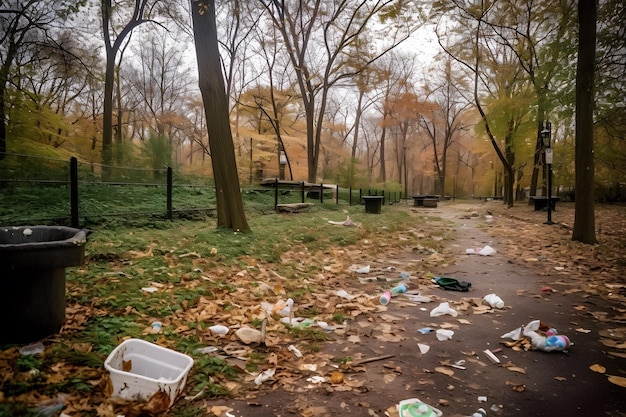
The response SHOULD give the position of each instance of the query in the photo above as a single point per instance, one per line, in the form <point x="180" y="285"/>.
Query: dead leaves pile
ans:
<point x="594" y="272"/>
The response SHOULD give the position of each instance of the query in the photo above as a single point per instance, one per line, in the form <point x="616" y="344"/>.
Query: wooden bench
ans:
<point x="493" y="197"/>
<point x="541" y="202"/>
<point x="373" y="203"/>
<point x="293" y="207"/>
<point x="425" y="200"/>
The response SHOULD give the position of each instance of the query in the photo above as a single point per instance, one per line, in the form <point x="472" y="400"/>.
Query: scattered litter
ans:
<point x="347" y="222"/>
<point x="485" y="251"/>
<point x="385" y="298"/>
<point x="324" y="326"/>
<point x="150" y="289"/>
<point x="360" y="269"/>
<point x="316" y="379"/>
<point x="492" y="357"/>
<point x="344" y="294"/>
<point x="206" y="350"/>
<point x="156" y="327"/>
<point x="281" y="307"/>
<point x="444" y="334"/>
<point x="264" y="376"/>
<point x="452" y="284"/>
<point x="423" y="348"/>
<point x="144" y="371"/>
<point x="51" y="407"/>
<point x="404" y="275"/>
<point x="547" y="289"/>
<point x="425" y="330"/>
<point x="482" y="399"/>
<point x="297" y="322"/>
<point x="219" y="329"/>
<point x="308" y="367"/>
<point x="415" y="407"/>
<point x="249" y="335"/>
<point x="460" y="364"/>
<point x="295" y="351"/>
<point x="32" y="349"/>
<point x="443" y="308"/>
<point x="398" y="289"/>
<point x="493" y="300"/>
<point x="547" y="341"/>
<point x="416" y="298"/>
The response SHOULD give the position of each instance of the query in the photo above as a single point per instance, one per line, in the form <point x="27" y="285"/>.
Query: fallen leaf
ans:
<point x="581" y="330"/>
<point x="445" y="371"/>
<point x="516" y="387"/>
<point x="617" y="380"/>
<point x="598" y="368"/>
<point x="158" y="403"/>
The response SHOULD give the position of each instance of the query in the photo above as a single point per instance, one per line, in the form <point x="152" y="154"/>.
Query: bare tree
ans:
<point x="320" y="37"/>
<point x="116" y="30"/>
<point x="24" y="24"/>
<point x="441" y="117"/>
<point x="230" y="212"/>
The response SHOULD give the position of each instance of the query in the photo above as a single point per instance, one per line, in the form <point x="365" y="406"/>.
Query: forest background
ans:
<point x="351" y="92"/>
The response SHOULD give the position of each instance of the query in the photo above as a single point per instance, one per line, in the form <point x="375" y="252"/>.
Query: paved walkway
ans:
<point x="525" y="383"/>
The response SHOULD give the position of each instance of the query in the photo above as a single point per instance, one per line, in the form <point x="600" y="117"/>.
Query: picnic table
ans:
<point x="425" y="200"/>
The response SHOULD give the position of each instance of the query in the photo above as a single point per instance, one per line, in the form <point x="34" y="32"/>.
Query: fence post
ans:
<point x="321" y="193"/>
<point x="74" y="192"/>
<point x="275" y="193"/>
<point x="169" y="193"/>
<point x="302" y="191"/>
<point x="383" y="194"/>
<point x="337" y="195"/>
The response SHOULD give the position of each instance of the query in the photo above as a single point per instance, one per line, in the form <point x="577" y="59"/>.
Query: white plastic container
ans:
<point x="139" y="369"/>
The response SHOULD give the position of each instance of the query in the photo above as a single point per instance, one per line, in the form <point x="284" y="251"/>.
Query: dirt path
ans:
<point x="456" y="375"/>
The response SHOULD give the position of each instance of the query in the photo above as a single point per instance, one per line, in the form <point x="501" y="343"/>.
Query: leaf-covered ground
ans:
<point x="190" y="278"/>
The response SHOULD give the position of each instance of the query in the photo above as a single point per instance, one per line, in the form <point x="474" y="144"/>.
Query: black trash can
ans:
<point x="32" y="279"/>
<point x="373" y="203"/>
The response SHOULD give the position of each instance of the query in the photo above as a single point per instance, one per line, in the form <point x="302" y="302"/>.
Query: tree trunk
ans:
<point x="230" y="213"/>
<point x="584" y="222"/>
<point x="107" y="115"/>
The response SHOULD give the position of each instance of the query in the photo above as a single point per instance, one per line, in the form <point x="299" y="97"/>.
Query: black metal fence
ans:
<point x="41" y="190"/>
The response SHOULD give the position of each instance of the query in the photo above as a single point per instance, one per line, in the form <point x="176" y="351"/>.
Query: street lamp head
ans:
<point x="546" y="133"/>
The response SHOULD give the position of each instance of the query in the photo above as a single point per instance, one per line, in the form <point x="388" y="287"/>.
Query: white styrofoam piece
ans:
<point x="152" y="368"/>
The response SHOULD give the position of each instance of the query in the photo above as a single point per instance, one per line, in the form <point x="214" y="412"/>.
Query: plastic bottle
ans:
<point x="480" y="413"/>
<point x="398" y="289"/>
<point x="385" y="298"/>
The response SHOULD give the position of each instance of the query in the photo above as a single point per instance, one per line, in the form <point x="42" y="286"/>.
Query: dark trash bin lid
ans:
<point x="38" y="237"/>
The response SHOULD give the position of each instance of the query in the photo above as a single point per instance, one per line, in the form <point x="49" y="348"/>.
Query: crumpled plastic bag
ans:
<point x="485" y="251"/>
<point x="442" y="309"/>
<point x="552" y="341"/>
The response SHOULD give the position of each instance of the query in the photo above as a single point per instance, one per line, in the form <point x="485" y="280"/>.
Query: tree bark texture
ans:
<point x="230" y="212"/>
<point x="584" y="221"/>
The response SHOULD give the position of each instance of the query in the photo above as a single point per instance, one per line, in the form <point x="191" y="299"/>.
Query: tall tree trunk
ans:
<point x="584" y="222"/>
<point x="230" y="213"/>
<point x="107" y="115"/>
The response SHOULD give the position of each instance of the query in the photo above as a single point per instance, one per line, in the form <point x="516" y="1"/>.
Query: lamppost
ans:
<point x="546" y="135"/>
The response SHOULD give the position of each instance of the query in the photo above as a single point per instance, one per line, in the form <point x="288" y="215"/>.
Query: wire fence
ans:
<point x="42" y="190"/>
